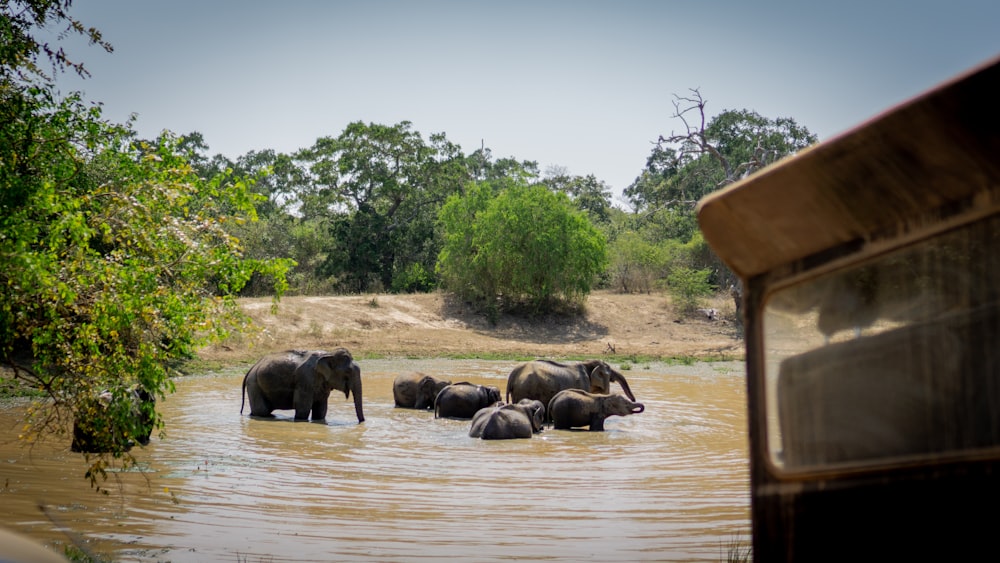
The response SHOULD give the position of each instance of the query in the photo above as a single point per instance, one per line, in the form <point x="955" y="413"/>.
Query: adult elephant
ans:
<point x="462" y="400"/>
<point x="302" y="380"/>
<point x="417" y="390"/>
<point x="505" y="421"/>
<point x="542" y="379"/>
<point x="98" y="429"/>
<point x="574" y="408"/>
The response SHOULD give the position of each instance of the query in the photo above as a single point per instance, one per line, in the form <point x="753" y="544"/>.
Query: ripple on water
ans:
<point x="667" y="484"/>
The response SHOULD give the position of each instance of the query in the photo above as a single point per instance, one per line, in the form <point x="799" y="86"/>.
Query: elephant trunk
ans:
<point x="621" y="381"/>
<point x="356" y="389"/>
<point x="638" y="408"/>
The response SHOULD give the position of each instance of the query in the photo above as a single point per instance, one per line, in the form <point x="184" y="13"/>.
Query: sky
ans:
<point x="584" y="86"/>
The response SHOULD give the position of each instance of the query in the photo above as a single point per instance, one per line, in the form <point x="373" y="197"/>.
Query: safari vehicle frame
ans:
<point x="871" y="305"/>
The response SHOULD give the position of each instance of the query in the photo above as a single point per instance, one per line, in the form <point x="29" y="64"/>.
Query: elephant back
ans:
<point x="464" y="399"/>
<point x="570" y="407"/>
<point x="501" y="422"/>
<point x="541" y="379"/>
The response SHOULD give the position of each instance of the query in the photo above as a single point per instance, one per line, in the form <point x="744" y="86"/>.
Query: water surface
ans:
<point x="669" y="484"/>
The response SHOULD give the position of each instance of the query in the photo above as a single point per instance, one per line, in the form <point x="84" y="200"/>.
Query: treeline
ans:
<point x="376" y="209"/>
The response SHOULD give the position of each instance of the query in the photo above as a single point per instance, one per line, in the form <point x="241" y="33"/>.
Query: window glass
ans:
<point x="891" y="358"/>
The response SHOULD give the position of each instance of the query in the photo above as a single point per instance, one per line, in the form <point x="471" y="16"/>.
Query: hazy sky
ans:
<point x="584" y="85"/>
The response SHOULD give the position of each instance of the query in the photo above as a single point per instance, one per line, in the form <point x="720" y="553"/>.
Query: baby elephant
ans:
<point x="505" y="421"/>
<point x="462" y="400"/>
<point x="572" y="408"/>
<point x="416" y="390"/>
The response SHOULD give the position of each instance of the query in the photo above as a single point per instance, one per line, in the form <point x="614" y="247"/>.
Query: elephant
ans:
<point x="462" y="400"/>
<point x="572" y="408"/>
<point x="416" y="390"/>
<point x="302" y="380"/>
<point x="506" y="421"/>
<point x="97" y="430"/>
<point x="542" y="379"/>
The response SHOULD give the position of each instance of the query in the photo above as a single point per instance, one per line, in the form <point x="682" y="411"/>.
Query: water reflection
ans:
<point x="668" y="484"/>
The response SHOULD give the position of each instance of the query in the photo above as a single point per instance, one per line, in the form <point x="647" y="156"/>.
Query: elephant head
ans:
<point x="535" y="411"/>
<point x="621" y="406"/>
<point x="416" y="390"/>
<point x="602" y="375"/>
<point x="337" y="370"/>
<point x="427" y="390"/>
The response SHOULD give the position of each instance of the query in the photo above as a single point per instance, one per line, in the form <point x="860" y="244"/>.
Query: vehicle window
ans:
<point x="895" y="357"/>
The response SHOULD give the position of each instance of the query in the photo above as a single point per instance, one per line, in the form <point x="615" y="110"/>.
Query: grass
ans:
<point x="738" y="550"/>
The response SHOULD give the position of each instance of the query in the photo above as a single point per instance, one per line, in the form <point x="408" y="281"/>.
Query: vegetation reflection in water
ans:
<point x="668" y="484"/>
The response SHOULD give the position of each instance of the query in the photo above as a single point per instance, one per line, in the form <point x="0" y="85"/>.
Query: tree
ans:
<point x="282" y="230"/>
<point x="21" y="52"/>
<point x="115" y="262"/>
<point x="524" y="247"/>
<point x="709" y="154"/>
<point x="587" y="192"/>
<point x="687" y="287"/>
<point x="379" y="188"/>
<point x="706" y="156"/>
<point x="484" y="168"/>
<point x="636" y="263"/>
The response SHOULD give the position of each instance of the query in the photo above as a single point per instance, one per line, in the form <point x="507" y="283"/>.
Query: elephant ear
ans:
<point x="600" y="377"/>
<point x="314" y="361"/>
<point x="335" y="366"/>
<point x="538" y="416"/>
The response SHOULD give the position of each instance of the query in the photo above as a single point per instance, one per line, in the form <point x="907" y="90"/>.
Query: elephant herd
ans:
<point x="569" y="395"/>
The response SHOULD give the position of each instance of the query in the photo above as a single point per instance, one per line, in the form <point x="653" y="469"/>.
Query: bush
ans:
<point x="414" y="279"/>
<point x="636" y="263"/>
<point x="526" y="247"/>
<point x="687" y="287"/>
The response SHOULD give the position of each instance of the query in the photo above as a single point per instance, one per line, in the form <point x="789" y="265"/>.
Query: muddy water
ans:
<point x="669" y="484"/>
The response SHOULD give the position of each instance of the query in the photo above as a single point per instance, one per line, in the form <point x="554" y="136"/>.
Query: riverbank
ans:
<point x="622" y="327"/>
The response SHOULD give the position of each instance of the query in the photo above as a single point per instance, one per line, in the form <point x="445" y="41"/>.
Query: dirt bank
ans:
<point x="428" y="325"/>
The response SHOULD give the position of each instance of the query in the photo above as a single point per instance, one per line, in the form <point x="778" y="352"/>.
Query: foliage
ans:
<point x="705" y="156"/>
<point x="709" y="154"/>
<point x="114" y="262"/>
<point x="590" y="195"/>
<point x="636" y="263"/>
<point x="687" y="287"/>
<point x="380" y="189"/>
<point x="413" y="279"/>
<point x="21" y="52"/>
<point x="357" y="212"/>
<point x="523" y="247"/>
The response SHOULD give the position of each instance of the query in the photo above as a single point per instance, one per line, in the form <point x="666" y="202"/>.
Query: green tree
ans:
<point x="587" y="192"/>
<point x="635" y="263"/>
<point x="524" y="247"/>
<point x="379" y="188"/>
<point x="115" y="262"/>
<point x="22" y="53"/>
<point x="709" y="154"/>
<point x="687" y="287"/>
<point x="483" y="167"/>
<point x="705" y="156"/>
<point x="283" y="230"/>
